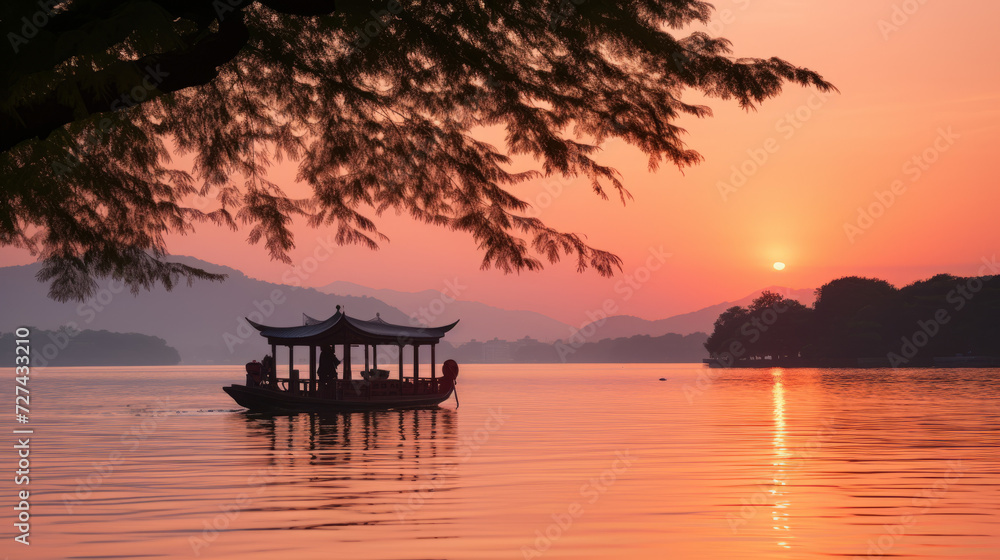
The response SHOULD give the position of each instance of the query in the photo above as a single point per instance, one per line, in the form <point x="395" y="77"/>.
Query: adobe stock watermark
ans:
<point x="920" y="504"/>
<point x="469" y="446"/>
<point x="764" y="496"/>
<point x="726" y="16"/>
<point x="425" y="315"/>
<point x="901" y="14"/>
<point x="33" y="23"/>
<point x="294" y="276"/>
<point x="591" y="491"/>
<point x="228" y="513"/>
<point x="428" y="314"/>
<point x="750" y="332"/>
<point x="914" y="169"/>
<point x="61" y="338"/>
<point x="563" y="11"/>
<point x="78" y="150"/>
<point x="927" y="329"/>
<point x="626" y="288"/>
<point x="757" y="157"/>
<point x="552" y="189"/>
<point x="722" y="18"/>
<point x="132" y="439"/>
<point x="364" y="35"/>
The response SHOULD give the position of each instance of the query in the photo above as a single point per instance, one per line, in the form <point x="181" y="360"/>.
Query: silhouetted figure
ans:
<point x="253" y="374"/>
<point x="266" y="369"/>
<point x="449" y="371"/>
<point x="327" y="370"/>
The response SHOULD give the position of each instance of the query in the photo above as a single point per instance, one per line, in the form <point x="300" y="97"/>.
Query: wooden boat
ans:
<point x="322" y="390"/>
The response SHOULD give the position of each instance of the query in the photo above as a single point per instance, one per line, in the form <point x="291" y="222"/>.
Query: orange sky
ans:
<point x="933" y="81"/>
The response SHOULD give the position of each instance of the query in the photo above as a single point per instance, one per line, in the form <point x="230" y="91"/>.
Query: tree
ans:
<point x="772" y="326"/>
<point x="845" y="297"/>
<point x="726" y="333"/>
<point x="790" y="332"/>
<point x="958" y="314"/>
<point x="376" y="102"/>
<point x="866" y="318"/>
<point x="857" y="317"/>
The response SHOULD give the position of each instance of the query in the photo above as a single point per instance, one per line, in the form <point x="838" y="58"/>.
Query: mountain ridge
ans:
<point x="700" y="320"/>
<point x="477" y="320"/>
<point x="205" y="322"/>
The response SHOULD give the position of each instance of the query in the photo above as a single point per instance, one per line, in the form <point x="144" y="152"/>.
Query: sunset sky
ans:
<point x="922" y="85"/>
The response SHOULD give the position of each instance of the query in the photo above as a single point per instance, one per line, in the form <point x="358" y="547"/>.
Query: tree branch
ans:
<point x="110" y="89"/>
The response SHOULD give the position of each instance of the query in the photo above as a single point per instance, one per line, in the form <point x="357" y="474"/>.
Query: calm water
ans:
<point x="553" y="461"/>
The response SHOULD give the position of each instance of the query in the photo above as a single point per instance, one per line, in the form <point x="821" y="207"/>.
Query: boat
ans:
<point x="321" y="389"/>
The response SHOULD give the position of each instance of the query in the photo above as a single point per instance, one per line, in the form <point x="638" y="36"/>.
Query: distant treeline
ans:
<point x="68" y="347"/>
<point x="865" y="319"/>
<point x="634" y="349"/>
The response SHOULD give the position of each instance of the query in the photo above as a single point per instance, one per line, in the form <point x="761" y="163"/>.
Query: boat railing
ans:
<point x="361" y="388"/>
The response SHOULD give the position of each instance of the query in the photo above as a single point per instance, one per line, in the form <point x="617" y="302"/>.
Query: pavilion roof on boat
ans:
<point x="342" y="328"/>
<point x="345" y="331"/>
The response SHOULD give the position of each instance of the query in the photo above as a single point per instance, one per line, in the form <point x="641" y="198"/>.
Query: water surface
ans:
<point x="539" y="461"/>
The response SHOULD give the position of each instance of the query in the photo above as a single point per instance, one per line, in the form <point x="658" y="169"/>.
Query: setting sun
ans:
<point x="779" y="266"/>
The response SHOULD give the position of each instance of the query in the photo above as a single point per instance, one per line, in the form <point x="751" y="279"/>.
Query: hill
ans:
<point x="204" y="322"/>
<point x="91" y="348"/>
<point x="701" y="320"/>
<point x="669" y="348"/>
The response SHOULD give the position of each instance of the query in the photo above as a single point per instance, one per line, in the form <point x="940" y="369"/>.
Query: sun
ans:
<point x="779" y="266"/>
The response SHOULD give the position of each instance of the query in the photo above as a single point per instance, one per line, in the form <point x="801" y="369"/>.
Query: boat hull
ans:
<point x="258" y="399"/>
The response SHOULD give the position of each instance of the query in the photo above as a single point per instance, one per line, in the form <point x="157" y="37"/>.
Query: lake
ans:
<point x="538" y="461"/>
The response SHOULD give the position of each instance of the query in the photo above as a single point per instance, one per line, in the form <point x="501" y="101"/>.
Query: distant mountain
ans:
<point x="484" y="322"/>
<point x="204" y="322"/>
<point x="669" y="348"/>
<point x="702" y="320"/>
<point x="68" y="347"/>
<point x="479" y="321"/>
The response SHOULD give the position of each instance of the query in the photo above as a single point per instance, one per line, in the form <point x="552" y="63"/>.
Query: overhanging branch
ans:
<point x="112" y="88"/>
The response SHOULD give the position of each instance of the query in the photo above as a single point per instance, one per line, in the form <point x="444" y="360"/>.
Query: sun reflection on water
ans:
<point x="779" y="515"/>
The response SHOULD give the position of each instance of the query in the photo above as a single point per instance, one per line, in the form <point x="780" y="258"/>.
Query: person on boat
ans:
<point x="253" y="374"/>
<point x="328" y="362"/>
<point x="266" y="368"/>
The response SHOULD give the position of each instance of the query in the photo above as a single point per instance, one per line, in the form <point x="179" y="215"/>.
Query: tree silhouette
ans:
<point x="857" y="317"/>
<point x="789" y="335"/>
<point x="377" y="103"/>
<point x="772" y="326"/>
<point x="727" y="332"/>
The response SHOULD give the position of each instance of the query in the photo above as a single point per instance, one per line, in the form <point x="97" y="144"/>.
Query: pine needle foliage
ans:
<point x="376" y="103"/>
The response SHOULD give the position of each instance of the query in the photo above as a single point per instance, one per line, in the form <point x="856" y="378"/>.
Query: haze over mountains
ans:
<point x="481" y="321"/>
<point x="204" y="322"/>
<point x="701" y="320"/>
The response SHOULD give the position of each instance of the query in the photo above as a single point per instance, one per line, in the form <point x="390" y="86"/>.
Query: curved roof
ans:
<point x="341" y="328"/>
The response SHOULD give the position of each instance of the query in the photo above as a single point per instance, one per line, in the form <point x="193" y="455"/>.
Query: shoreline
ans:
<point x="859" y="363"/>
